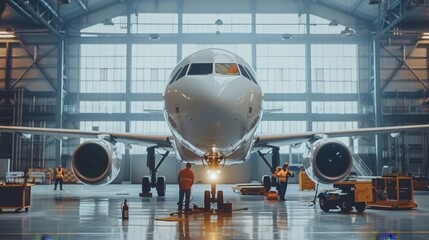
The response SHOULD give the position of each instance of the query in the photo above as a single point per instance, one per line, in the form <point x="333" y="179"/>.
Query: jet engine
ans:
<point x="327" y="161"/>
<point x="96" y="162"/>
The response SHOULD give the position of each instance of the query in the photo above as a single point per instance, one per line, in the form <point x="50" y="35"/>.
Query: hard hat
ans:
<point x="286" y="164"/>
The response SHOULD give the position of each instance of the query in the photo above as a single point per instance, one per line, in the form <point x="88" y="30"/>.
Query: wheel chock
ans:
<point x="149" y="194"/>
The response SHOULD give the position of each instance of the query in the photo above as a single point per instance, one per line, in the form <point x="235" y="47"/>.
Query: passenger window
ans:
<point x="200" y="69"/>
<point x="244" y="72"/>
<point x="175" y="75"/>
<point x="227" y="69"/>
<point x="183" y="72"/>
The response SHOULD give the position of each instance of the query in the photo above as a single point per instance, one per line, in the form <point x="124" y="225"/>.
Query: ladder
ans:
<point x="360" y="167"/>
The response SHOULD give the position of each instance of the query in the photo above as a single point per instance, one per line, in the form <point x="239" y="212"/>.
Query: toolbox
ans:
<point x="15" y="196"/>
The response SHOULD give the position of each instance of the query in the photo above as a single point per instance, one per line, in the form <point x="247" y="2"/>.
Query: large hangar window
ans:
<point x="320" y="25"/>
<point x="284" y="107"/>
<point x="281" y="67"/>
<point x="334" y="125"/>
<point x="224" y="23"/>
<point x="330" y="107"/>
<point x="334" y="68"/>
<point x="280" y="23"/>
<point x="109" y="25"/>
<point x="151" y="66"/>
<point x="147" y="106"/>
<point x="154" y="23"/>
<point x="269" y="127"/>
<point x="102" y="68"/>
<point x="102" y="107"/>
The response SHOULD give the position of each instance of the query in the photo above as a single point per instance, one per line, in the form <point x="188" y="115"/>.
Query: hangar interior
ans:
<point x="322" y="65"/>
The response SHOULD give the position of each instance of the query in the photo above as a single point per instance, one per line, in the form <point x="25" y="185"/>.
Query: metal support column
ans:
<point x="376" y="101"/>
<point x="59" y="95"/>
<point x="308" y="77"/>
<point x="180" y="31"/>
<point x="254" y="37"/>
<point x="127" y="162"/>
<point x="8" y="66"/>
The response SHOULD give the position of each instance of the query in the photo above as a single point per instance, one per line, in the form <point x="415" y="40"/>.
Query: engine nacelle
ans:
<point x="327" y="161"/>
<point x="96" y="162"/>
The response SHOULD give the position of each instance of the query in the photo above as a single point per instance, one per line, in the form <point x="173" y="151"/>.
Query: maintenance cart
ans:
<point x="393" y="191"/>
<point x="15" y="196"/>
<point x="348" y="194"/>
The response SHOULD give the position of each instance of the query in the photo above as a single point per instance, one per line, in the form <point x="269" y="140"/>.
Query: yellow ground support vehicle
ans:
<point x="394" y="191"/>
<point x="305" y="183"/>
<point x="348" y="194"/>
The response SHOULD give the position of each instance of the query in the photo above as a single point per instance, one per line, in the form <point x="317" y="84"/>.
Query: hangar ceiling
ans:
<point x="47" y="14"/>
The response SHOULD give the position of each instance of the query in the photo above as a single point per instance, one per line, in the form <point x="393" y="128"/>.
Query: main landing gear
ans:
<point x="213" y="160"/>
<point x="153" y="181"/>
<point x="268" y="181"/>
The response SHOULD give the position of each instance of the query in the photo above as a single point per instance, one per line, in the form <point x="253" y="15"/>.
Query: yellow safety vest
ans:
<point x="283" y="174"/>
<point x="276" y="172"/>
<point x="60" y="173"/>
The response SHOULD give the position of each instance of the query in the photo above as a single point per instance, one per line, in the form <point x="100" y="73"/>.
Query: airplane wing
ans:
<point x="286" y="139"/>
<point x="127" y="138"/>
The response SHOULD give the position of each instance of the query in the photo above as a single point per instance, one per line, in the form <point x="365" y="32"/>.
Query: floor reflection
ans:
<point x="183" y="229"/>
<point x="84" y="212"/>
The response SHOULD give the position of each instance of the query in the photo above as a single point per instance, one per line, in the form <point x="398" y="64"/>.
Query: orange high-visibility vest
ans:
<point x="60" y="173"/>
<point x="186" y="178"/>
<point x="283" y="175"/>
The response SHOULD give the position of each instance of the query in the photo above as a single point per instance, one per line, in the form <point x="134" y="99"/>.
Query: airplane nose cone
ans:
<point x="217" y="110"/>
<point x="213" y="89"/>
<point x="213" y="110"/>
<point x="216" y="103"/>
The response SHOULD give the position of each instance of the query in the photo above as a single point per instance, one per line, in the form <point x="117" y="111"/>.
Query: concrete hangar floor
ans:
<point x="88" y="212"/>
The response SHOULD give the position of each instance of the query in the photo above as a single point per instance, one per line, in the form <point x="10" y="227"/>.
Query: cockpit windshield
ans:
<point x="226" y="69"/>
<point x="200" y="69"/>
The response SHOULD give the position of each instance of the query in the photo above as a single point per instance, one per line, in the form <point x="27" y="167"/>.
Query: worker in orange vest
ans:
<point x="59" y="177"/>
<point x="283" y="176"/>
<point x="185" y="179"/>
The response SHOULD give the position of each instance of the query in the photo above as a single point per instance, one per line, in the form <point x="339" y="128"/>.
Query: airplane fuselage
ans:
<point x="213" y="103"/>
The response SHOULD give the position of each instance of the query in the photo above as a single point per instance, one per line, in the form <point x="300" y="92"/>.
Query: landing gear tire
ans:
<point x="323" y="203"/>
<point x="219" y="200"/>
<point x="360" y="207"/>
<point x="160" y="186"/>
<point x="207" y="201"/>
<point x="266" y="180"/>
<point x="345" y="206"/>
<point x="145" y="184"/>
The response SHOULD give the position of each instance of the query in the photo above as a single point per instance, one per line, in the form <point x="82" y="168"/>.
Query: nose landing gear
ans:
<point x="213" y="160"/>
<point x="210" y="197"/>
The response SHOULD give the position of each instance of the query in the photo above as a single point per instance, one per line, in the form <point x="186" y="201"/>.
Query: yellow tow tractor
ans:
<point x="348" y="194"/>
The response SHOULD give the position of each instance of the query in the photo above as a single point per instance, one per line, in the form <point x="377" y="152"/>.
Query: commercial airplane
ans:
<point x="213" y="105"/>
